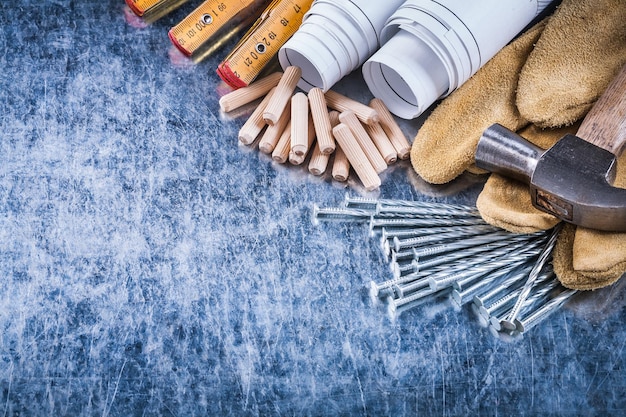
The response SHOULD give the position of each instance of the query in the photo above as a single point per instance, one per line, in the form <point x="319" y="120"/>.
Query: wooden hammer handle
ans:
<point x="605" y="124"/>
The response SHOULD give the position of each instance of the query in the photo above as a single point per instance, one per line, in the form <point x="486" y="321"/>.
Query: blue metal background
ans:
<point x="151" y="265"/>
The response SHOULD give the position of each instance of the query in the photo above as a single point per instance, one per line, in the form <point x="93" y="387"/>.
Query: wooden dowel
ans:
<point x="245" y="95"/>
<point x="299" y="124"/>
<point x="342" y="103"/>
<point x="323" y="129"/>
<point x="295" y="159"/>
<point x="341" y="165"/>
<point x="309" y="144"/>
<point x="333" y="118"/>
<point x="358" y="160"/>
<point x="318" y="162"/>
<point x="255" y="123"/>
<point x="382" y="142"/>
<point x="272" y="133"/>
<point x="281" y="151"/>
<point x="366" y="143"/>
<point x="391" y="128"/>
<point x="282" y="95"/>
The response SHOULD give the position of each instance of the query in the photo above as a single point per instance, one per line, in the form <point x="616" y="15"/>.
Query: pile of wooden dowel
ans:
<point x="290" y="125"/>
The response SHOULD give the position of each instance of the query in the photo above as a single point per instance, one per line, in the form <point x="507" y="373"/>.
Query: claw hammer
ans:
<point x="573" y="179"/>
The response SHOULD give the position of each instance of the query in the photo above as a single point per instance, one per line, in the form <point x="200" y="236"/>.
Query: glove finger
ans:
<point x="581" y="49"/>
<point x="564" y="255"/>
<point x="599" y="253"/>
<point x="506" y="203"/>
<point x="445" y="144"/>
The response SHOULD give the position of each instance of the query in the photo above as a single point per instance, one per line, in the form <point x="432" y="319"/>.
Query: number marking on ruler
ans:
<point x="277" y="24"/>
<point x="206" y="20"/>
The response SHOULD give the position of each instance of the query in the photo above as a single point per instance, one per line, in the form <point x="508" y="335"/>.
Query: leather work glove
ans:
<point x="551" y="76"/>
<point x="445" y="144"/>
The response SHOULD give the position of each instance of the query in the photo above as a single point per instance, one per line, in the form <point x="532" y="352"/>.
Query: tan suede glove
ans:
<point x="445" y="144"/>
<point x="551" y="84"/>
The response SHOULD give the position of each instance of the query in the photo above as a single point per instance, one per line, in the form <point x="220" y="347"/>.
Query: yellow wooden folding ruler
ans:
<point x="278" y="22"/>
<point x="153" y="9"/>
<point x="213" y="19"/>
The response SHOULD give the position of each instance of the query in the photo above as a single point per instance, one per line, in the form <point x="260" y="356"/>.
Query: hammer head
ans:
<point x="571" y="180"/>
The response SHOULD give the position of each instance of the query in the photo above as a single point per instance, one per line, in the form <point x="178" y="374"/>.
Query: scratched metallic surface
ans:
<point x="150" y="265"/>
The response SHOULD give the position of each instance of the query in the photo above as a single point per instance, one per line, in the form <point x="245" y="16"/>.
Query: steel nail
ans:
<point x="404" y="255"/>
<point x="504" y="292"/>
<point x="376" y="223"/>
<point x="360" y="202"/>
<point x="522" y="247"/>
<point x="545" y="283"/>
<point x="473" y="242"/>
<point x="537" y="298"/>
<point x="339" y="213"/>
<point x="397" y="306"/>
<point x="481" y="319"/>
<point x="409" y="288"/>
<point x="445" y="235"/>
<point x="487" y="298"/>
<point x="479" y="251"/>
<point x="383" y="289"/>
<point x="407" y="284"/>
<point x="377" y="291"/>
<point x="448" y="280"/>
<point x="541" y="290"/>
<point x="392" y="240"/>
<point x="466" y="289"/>
<point x="467" y="283"/>
<point x="386" y="210"/>
<point x="388" y="234"/>
<point x="398" y="284"/>
<point x="399" y="270"/>
<point x="410" y="232"/>
<point x="541" y="313"/>
<point x="487" y="310"/>
<point x="402" y="280"/>
<point x="478" y="266"/>
<point x="428" y="204"/>
<point x="534" y="273"/>
<point x="501" y="305"/>
<point x="438" y="248"/>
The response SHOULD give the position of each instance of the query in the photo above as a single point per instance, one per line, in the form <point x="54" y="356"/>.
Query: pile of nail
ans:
<point x="439" y="251"/>
<point x="291" y="126"/>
